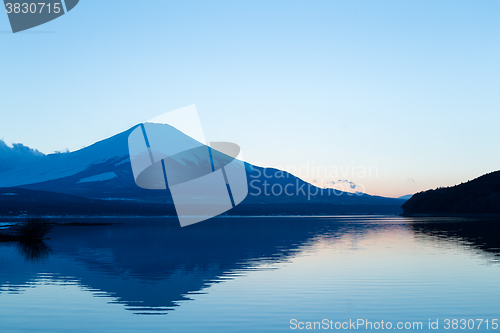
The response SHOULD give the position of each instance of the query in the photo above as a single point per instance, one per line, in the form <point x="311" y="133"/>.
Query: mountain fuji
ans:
<point x="103" y="172"/>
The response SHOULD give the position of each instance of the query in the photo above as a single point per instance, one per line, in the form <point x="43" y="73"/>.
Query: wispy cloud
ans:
<point x="351" y="184"/>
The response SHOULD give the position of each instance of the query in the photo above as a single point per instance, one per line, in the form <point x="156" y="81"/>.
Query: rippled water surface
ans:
<point x="250" y="274"/>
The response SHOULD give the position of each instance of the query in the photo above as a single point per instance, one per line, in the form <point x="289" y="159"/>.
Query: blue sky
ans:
<point x="408" y="87"/>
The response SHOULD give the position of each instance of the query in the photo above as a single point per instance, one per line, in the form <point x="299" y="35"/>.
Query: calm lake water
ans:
<point x="252" y="275"/>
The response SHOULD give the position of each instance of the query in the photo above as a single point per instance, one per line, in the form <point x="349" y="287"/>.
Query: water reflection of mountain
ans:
<point x="153" y="264"/>
<point x="481" y="234"/>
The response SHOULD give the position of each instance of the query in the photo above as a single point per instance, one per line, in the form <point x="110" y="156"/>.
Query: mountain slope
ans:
<point x="61" y="165"/>
<point x="18" y="202"/>
<point x="478" y="196"/>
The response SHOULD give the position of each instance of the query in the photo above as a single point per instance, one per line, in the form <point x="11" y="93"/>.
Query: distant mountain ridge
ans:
<point x="102" y="171"/>
<point x="478" y="196"/>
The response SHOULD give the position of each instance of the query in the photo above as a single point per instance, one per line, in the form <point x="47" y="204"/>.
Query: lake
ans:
<point x="269" y="274"/>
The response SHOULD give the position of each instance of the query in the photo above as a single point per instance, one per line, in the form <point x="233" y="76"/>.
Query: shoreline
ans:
<point x="471" y="215"/>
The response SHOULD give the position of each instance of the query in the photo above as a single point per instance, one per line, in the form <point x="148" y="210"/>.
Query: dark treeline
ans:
<point x="478" y="196"/>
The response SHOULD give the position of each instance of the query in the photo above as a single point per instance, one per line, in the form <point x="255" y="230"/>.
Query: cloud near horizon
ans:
<point x="16" y="155"/>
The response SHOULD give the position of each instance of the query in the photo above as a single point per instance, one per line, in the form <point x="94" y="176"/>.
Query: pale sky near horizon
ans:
<point x="406" y="90"/>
